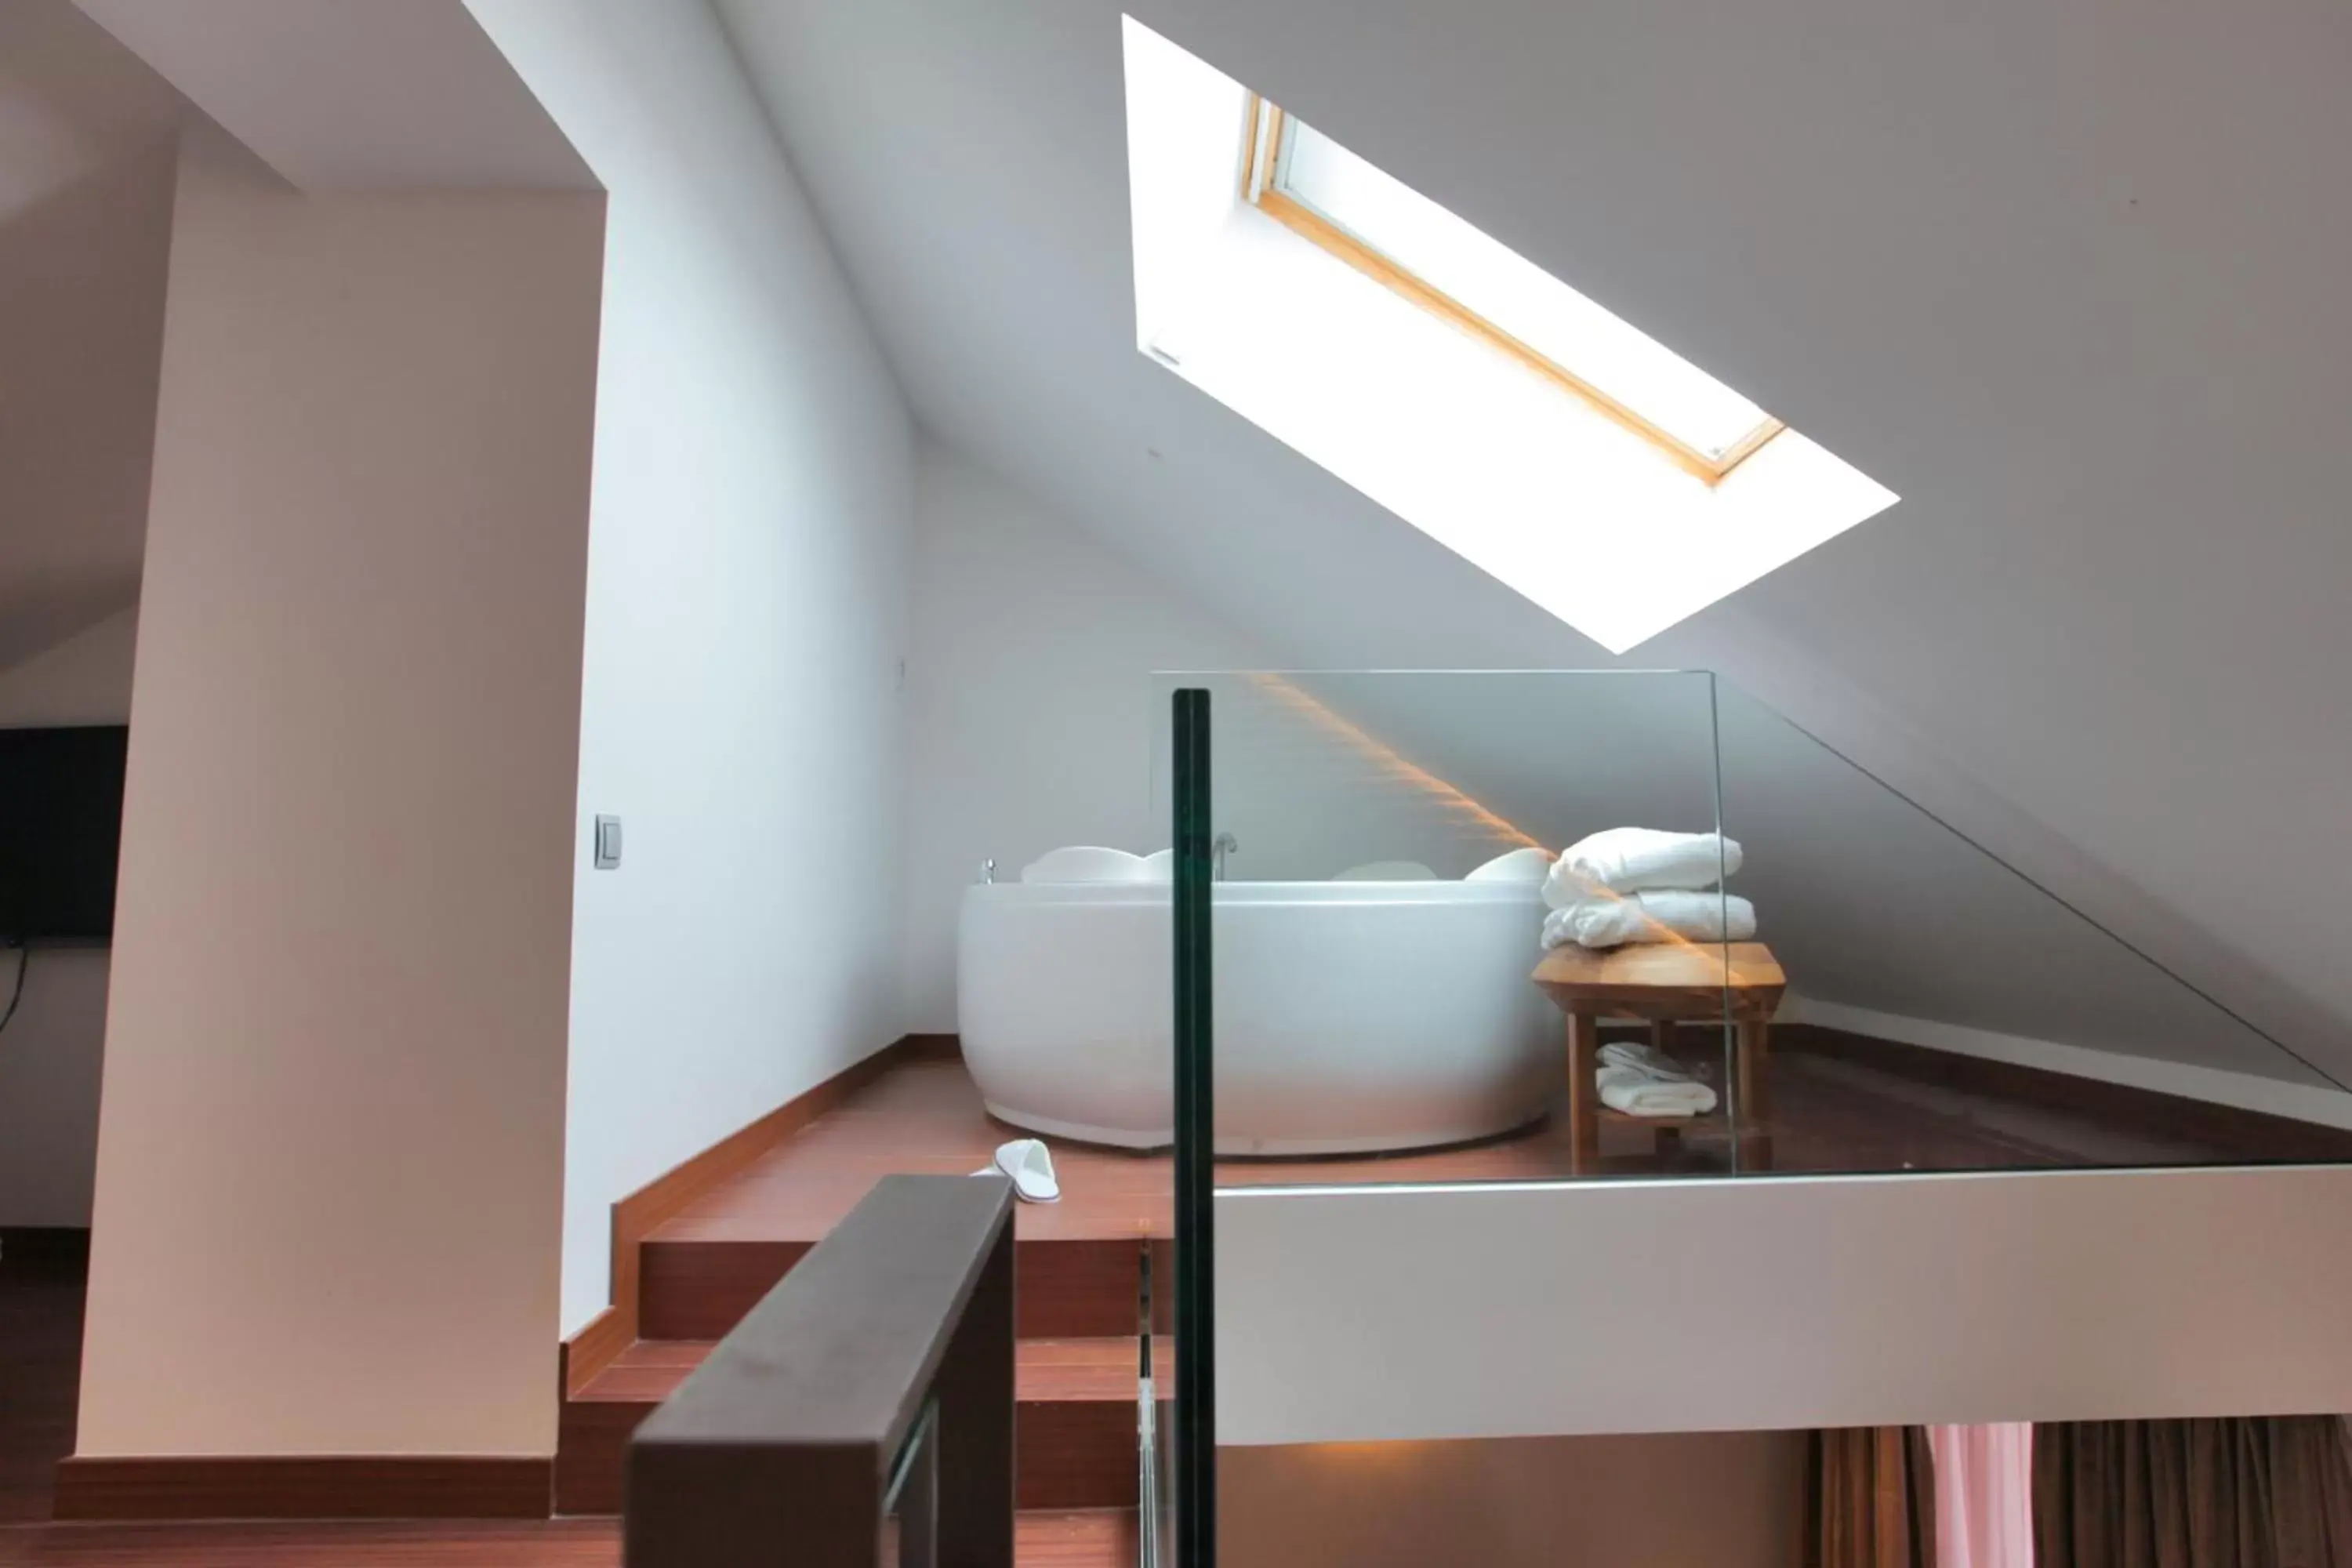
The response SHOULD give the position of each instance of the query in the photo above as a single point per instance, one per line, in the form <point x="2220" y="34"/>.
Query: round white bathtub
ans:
<point x="1350" y="1016"/>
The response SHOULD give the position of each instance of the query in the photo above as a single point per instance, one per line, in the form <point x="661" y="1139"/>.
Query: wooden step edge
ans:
<point x="1098" y="1370"/>
<point x="1074" y="1414"/>
<point x="705" y="1230"/>
<point x="1045" y="1371"/>
<point x="701" y="1289"/>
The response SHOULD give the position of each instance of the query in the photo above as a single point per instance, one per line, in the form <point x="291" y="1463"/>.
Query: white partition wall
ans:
<point x="331" y="1148"/>
<point x="1370" y="1313"/>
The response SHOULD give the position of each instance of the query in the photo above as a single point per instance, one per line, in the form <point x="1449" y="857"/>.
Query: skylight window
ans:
<point x="1504" y="414"/>
<point x="1403" y="240"/>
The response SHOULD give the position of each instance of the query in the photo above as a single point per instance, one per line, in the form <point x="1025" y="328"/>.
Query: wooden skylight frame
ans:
<point x="1265" y="146"/>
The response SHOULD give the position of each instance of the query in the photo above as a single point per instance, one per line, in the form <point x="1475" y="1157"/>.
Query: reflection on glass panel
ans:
<point x="2004" y="1495"/>
<point x="1471" y="929"/>
<point x="911" y="1502"/>
<point x="1829" y="980"/>
<point x="1155" y="1393"/>
<point x="1430" y="967"/>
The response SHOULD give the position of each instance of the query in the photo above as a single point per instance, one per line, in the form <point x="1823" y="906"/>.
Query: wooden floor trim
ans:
<point x="2251" y="1135"/>
<point x="929" y="1047"/>
<point x="591" y="1350"/>
<point x="323" y="1486"/>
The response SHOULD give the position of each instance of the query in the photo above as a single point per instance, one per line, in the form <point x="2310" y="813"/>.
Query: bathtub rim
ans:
<point x="1151" y="902"/>
<point x="1236" y="1149"/>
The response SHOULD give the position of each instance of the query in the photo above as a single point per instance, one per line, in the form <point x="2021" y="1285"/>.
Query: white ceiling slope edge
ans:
<point x="327" y="92"/>
<point x="71" y="102"/>
<point x="2072" y="287"/>
<point x="84" y="224"/>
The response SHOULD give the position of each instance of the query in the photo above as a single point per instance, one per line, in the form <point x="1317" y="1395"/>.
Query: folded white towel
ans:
<point x="1645" y="1059"/>
<point x="1634" y="1091"/>
<point x="1611" y="919"/>
<point x="1636" y="859"/>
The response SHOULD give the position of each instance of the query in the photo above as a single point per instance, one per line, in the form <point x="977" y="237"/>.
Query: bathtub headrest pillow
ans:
<point x="1387" y="871"/>
<point x="1086" y="863"/>
<point x="1524" y="865"/>
<point x="1160" y="867"/>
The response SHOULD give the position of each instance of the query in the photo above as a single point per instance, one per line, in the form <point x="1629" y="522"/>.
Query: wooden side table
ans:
<point x="1666" y="984"/>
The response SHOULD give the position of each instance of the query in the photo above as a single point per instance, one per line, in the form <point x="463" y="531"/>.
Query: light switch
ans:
<point x="608" y="843"/>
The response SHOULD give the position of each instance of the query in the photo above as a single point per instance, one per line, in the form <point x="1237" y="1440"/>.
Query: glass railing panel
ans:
<point x="1861" y="988"/>
<point x="1948" y="1010"/>
<point x="1155" y="1409"/>
<point x="1858" y="989"/>
<point x="1407" y="977"/>
<point x="909" y="1537"/>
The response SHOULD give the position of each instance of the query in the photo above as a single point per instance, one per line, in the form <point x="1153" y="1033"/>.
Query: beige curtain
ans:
<point x="2257" y="1493"/>
<point x="1870" y="1498"/>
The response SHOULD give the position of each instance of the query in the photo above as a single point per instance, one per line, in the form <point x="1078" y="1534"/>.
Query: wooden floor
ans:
<point x="40" y="1370"/>
<point x="40" y="1363"/>
<point x="1096" y="1540"/>
<point x="1838" y="1108"/>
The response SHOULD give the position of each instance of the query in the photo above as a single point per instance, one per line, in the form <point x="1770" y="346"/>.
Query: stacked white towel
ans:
<point x="1639" y="861"/>
<point x="1667" y="914"/>
<point x="1638" y="1080"/>
<point x="1639" y="884"/>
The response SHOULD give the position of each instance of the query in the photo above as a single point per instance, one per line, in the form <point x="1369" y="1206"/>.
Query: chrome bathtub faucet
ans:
<point x="1225" y="844"/>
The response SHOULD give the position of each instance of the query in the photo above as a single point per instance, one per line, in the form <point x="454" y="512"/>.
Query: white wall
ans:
<point x="51" y="1053"/>
<point x="332" y="1120"/>
<point x="85" y="680"/>
<point x="1037" y="711"/>
<point x="1867" y="899"/>
<point x="1036" y="722"/>
<point x="747" y="613"/>
<point x="1031" y="706"/>
<point x="1665" y="1306"/>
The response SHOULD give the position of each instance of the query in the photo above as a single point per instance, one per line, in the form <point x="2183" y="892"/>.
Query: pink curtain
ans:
<point x="1984" y="1495"/>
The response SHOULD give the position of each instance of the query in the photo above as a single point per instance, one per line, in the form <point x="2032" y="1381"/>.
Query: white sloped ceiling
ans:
<point x="2066" y="277"/>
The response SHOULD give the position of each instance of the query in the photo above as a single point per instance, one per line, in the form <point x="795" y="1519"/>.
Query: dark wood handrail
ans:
<point x="781" y="1448"/>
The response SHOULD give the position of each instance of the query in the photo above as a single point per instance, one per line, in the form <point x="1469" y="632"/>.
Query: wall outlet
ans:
<point x="608" y="843"/>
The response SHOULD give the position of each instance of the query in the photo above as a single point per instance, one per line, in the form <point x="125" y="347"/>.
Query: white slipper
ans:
<point x="1030" y="1166"/>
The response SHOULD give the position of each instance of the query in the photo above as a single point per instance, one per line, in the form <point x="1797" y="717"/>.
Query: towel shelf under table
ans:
<point x="1666" y="984"/>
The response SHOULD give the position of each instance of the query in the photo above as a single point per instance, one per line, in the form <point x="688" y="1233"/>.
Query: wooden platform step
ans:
<point x="1080" y="1538"/>
<point x="1074" y="1422"/>
<point x="696" y="1279"/>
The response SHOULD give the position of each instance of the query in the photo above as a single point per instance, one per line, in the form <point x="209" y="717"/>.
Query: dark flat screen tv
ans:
<point x="60" y="831"/>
